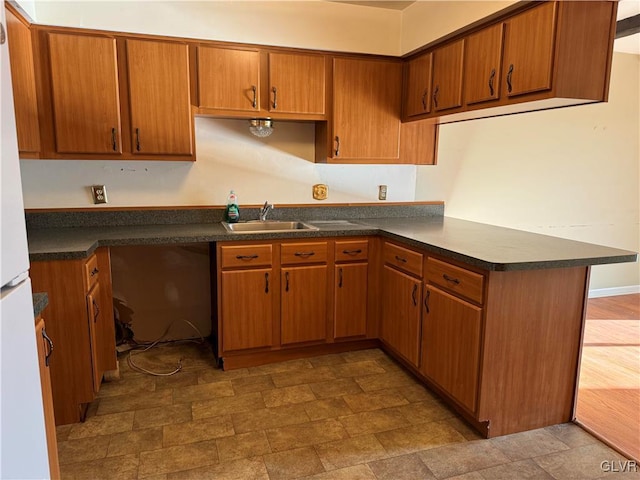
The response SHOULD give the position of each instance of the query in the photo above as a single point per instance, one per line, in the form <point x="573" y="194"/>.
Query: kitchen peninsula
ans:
<point x="491" y="318"/>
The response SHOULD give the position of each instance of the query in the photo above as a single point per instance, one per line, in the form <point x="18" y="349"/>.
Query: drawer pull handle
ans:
<point x="286" y="279"/>
<point x="424" y="100"/>
<point x="337" y="146"/>
<point x="352" y="252"/>
<point x="266" y="283"/>
<point x="96" y="311"/>
<point x="413" y="295"/>
<point x="275" y="97"/>
<point x="254" y="89"/>
<point x="400" y="259"/>
<point x="48" y="356"/>
<point x="491" y="77"/>
<point x="455" y="281"/>
<point x="304" y="254"/>
<point x="435" y="96"/>
<point x="509" y="75"/>
<point x="94" y="272"/>
<point x="138" y="148"/>
<point x="426" y="300"/>
<point x="340" y="278"/>
<point x="113" y="139"/>
<point x="246" y="257"/>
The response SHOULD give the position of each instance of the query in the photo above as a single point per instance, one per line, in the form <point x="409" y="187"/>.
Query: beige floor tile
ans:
<point x="216" y="375"/>
<point x="178" y="458"/>
<point x="350" y="451"/>
<point x="288" y="396"/>
<point x="425" y="412"/>
<point x="243" y="445"/>
<point x="243" y="469"/>
<point x="371" y="422"/>
<point x="364" y="355"/>
<point x="161" y="476"/>
<point x="83" y="449"/>
<point x="522" y="470"/>
<point x="466" y="430"/>
<point x="325" y="360"/>
<point x="383" y="381"/>
<point x="224" y="405"/>
<point x="126" y="403"/>
<point x="357" y="369"/>
<point x="135" y="442"/>
<point x="102" y="425"/>
<point x="418" y="437"/>
<point x="417" y="393"/>
<point x="290" y="366"/>
<point x="180" y="379"/>
<point x="158" y="416"/>
<point x="207" y="391"/>
<point x="266" y="418"/>
<point x="534" y="443"/>
<point x="469" y="476"/>
<point x="117" y="468"/>
<point x="294" y="436"/>
<point x="369" y="401"/>
<point x="138" y="384"/>
<point x="335" y="388"/>
<point x="357" y="472"/>
<point x="327" y="408"/>
<point x="404" y="467"/>
<point x="571" y="435"/>
<point x="581" y="463"/>
<point x="299" y="377"/>
<point x="192" y="432"/>
<point x="256" y="383"/>
<point x="63" y="431"/>
<point x="461" y="458"/>
<point x="294" y="463"/>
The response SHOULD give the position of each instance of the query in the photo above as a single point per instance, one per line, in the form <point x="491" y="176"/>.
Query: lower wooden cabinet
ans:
<point x="351" y="293"/>
<point x="304" y="304"/>
<point x="45" y="350"/>
<point x="451" y="345"/>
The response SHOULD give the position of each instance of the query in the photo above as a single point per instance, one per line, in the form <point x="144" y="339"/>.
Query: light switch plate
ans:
<point x="99" y="193"/>
<point x="382" y="192"/>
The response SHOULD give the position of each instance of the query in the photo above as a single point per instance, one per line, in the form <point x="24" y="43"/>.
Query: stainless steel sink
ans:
<point x="266" y="226"/>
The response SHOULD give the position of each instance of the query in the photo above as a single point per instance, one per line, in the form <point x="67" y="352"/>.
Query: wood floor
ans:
<point x="609" y="388"/>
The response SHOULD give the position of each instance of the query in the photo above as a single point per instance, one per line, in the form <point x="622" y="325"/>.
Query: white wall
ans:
<point x="572" y="172"/>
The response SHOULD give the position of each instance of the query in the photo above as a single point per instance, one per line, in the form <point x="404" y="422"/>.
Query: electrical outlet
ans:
<point x="382" y="192"/>
<point x="99" y="193"/>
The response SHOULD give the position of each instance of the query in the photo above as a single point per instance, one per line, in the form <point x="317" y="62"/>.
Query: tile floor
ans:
<point x="355" y="415"/>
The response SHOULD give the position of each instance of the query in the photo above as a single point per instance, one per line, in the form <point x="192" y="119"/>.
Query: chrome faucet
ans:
<point x="264" y="211"/>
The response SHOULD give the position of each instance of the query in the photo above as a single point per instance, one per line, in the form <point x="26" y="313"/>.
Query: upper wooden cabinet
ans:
<point x="296" y="83"/>
<point x="528" y="50"/>
<point x="159" y="97"/>
<point x="418" y="85"/>
<point x="24" y="85"/>
<point x="447" y="76"/>
<point x="85" y="94"/>
<point x="483" y="53"/>
<point x="228" y="79"/>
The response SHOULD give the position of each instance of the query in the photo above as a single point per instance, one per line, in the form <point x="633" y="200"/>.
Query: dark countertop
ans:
<point x="485" y="246"/>
<point x="40" y="302"/>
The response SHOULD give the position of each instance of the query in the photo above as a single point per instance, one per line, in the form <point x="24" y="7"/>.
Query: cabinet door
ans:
<point x="84" y="89"/>
<point x="159" y="97"/>
<point x="23" y="81"/>
<point x="483" y="52"/>
<point x="418" y="93"/>
<point x="229" y="79"/>
<point x="366" y="109"/>
<point x="296" y="83"/>
<point x="45" y="350"/>
<point x="401" y="296"/>
<point x="247" y="309"/>
<point x="447" y="76"/>
<point x="95" y="318"/>
<point x="106" y="334"/>
<point x="451" y="345"/>
<point x="528" y="50"/>
<point x="303" y="304"/>
<point x="350" y="316"/>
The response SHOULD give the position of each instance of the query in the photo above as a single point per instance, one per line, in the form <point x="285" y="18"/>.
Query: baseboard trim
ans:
<point x="610" y="292"/>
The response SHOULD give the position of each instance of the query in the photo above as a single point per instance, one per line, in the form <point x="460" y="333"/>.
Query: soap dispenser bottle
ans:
<point x="232" y="211"/>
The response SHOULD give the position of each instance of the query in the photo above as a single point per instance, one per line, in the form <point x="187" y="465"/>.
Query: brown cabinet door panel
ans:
<point x="296" y="83"/>
<point x="483" y="54"/>
<point x="95" y="319"/>
<point x="447" y="76"/>
<point x="303" y="304"/>
<point x="159" y="97"/>
<point x="451" y="345"/>
<point x="528" y="50"/>
<point x="418" y="100"/>
<point x="350" y="316"/>
<point x="229" y="79"/>
<point x="84" y="89"/>
<point x="247" y="309"/>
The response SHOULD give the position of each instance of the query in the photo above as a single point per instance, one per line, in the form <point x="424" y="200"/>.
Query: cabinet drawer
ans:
<point x="91" y="271"/>
<point x="295" y="253"/>
<point x="352" y="250"/>
<point x="455" y="279"/>
<point x="246" y="256"/>
<point x="404" y="259"/>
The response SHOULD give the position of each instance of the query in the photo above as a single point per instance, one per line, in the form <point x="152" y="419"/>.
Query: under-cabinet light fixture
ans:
<point x="261" y="127"/>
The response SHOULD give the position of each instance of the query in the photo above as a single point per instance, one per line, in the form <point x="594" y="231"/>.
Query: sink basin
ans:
<point x="267" y="226"/>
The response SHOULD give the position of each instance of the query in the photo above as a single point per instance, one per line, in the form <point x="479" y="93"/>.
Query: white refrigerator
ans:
<point x="23" y="444"/>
